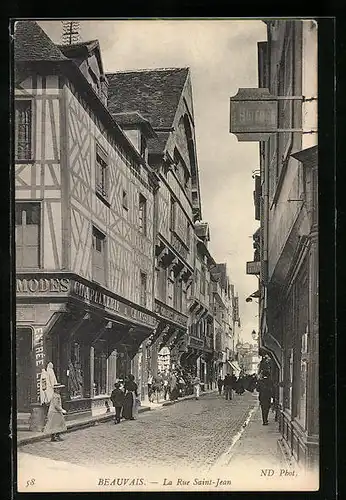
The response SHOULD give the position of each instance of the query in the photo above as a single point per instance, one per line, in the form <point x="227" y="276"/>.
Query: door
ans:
<point x="24" y="369"/>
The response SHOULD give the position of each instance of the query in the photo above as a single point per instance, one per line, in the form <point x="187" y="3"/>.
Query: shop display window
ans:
<point x="75" y="372"/>
<point x="100" y="373"/>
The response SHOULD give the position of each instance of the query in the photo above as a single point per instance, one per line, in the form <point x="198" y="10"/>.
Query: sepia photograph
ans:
<point x="165" y="177"/>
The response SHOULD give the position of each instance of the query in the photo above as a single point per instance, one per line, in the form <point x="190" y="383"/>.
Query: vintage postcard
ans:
<point x="166" y="240"/>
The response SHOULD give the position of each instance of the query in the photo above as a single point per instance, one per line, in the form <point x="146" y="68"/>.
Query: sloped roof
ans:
<point x="90" y="45"/>
<point x="74" y="50"/>
<point x="31" y="43"/>
<point x="134" y="118"/>
<point x="154" y="93"/>
<point x="158" y="144"/>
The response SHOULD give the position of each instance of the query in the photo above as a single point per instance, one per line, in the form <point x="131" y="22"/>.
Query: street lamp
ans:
<point x="254" y="335"/>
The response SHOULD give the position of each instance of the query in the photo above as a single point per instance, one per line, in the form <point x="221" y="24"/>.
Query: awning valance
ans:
<point x="235" y="367"/>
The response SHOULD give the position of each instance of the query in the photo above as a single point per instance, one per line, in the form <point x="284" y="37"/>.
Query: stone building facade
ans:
<point x="288" y="242"/>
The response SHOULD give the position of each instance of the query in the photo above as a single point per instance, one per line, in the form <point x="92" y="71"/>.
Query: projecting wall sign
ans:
<point x="253" y="114"/>
<point x="253" y="267"/>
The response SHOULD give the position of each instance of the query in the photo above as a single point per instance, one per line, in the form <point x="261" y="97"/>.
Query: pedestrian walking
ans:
<point x="150" y="384"/>
<point x="227" y="383"/>
<point x="173" y="387"/>
<point x="117" y="398"/>
<point x="265" y="390"/>
<point x="196" y="387"/>
<point x="165" y="385"/>
<point x="233" y="382"/>
<point x="155" y="389"/>
<point x="46" y="392"/>
<point x="130" y="405"/>
<point x="240" y="385"/>
<point x="181" y="386"/>
<point x="55" y="418"/>
<point x="220" y="384"/>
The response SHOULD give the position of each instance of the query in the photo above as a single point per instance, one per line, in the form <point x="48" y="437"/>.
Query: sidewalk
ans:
<point x="25" y="437"/>
<point x="255" y="445"/>
<point x="256" y="462"/>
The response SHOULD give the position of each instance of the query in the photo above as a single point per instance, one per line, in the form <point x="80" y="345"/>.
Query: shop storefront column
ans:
<point x="92" y="361"/>
<point x="112" y="371"/>
<point x="86" y="371"/>
<point x="313" y="372"/>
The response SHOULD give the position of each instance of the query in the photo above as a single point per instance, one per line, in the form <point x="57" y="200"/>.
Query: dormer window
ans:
<point x="94" y="81"/>
<point x="101" y="174"/>
<point x="143" y="149"/>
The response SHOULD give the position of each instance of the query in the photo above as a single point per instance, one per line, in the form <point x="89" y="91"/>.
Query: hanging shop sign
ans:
<point x="254" y="114"/>
<point x="253" y="267"/>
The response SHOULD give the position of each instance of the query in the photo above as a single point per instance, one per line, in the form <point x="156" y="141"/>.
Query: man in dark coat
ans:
<point x="227" y="383"/>
<point x="220" y="384"/>
<point x="265" y="390"/>
<point x="117" y="398"/>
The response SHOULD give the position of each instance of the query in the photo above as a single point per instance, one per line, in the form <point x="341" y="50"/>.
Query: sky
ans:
<point x="222" y="57"/>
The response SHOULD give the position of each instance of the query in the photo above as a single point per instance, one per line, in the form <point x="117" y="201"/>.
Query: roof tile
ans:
<point x="31" y="43"/>
<point x="154" y="93"/>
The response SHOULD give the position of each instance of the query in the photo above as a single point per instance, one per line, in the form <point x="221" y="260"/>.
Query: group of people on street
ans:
<point x="262" y="383"/>
<point x="173" y="384"/>
<point x="237" y="384"/>
<point x="125" y="399"/>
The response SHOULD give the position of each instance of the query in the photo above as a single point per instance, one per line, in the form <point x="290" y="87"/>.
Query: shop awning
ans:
<point x="235" y="367"/>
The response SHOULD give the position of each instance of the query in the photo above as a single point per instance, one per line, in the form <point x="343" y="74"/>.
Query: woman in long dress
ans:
<point x="196" y="387"/>
<point x="51" y="378"/>
<point x="131" y="394"/>
<point x="55" y="419"/>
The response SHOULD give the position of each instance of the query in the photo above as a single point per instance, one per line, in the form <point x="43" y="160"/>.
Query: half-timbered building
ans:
<point x="199" y="353"/>
<point x="164" y="98"/>
<point x="224" y="343"/>
<point x="84" y="212"/>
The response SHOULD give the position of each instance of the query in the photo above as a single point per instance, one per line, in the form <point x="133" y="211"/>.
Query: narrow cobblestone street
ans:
<point x="210" y="444"/>
<point x="189" y="431"/>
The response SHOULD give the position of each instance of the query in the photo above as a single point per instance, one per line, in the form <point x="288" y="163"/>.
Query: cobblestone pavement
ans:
<point x="189" y="432"/>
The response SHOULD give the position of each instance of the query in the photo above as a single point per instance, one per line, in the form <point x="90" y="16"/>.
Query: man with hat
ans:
<point x="55" y="418"/>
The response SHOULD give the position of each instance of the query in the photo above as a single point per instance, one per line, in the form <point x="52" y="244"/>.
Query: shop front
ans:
<point x="166" y="345"/>
<point x="91" y="336"/>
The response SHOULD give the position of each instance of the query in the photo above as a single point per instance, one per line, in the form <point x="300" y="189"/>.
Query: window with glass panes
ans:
<point x="203" y="281"/>
<point x="101" y="172"/>
<point x="100" y="369"/>
<point x="143" y="289"/>
<point x="99" y="256"/>
<point x="143" y="146"/>
<point x="142" y="217"/>
<point x="178" y="294"/>
<point x="23" y="131"/>
<point x="75" y="372"/>
<point x="173" y="214"/>
<point x="27" y="224"/>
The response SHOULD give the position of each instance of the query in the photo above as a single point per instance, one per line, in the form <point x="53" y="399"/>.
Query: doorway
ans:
<point x="24" y="369"/>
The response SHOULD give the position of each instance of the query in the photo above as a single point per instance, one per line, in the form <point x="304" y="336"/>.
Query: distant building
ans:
<point x="223" y="321"/>
<point x="200" y="340"/>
